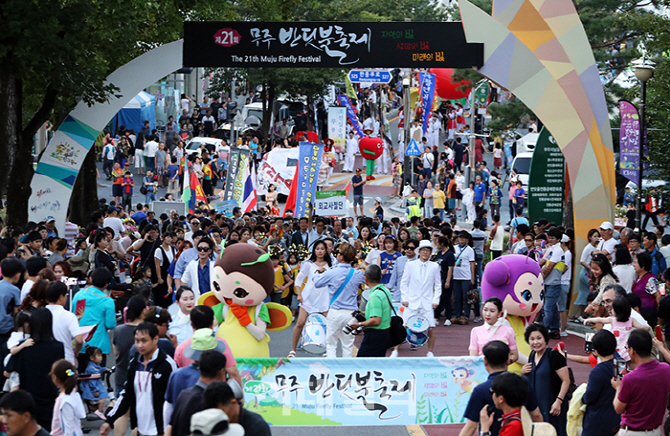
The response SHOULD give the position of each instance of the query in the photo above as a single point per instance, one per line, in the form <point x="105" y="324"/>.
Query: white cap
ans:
<point x="378" y="199"/>
<point x="606" y="225"/>
<point x="425" y="244"/>
<point x="565" y="239"/>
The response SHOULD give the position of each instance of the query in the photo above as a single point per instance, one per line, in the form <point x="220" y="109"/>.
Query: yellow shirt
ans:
<point x="438" y="199"/>
<point x="279" y="277"/>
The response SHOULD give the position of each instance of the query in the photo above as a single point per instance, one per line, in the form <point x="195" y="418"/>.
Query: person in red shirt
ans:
<point x="509" y="392"/>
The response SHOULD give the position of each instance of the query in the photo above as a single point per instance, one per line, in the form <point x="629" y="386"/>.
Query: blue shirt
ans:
<point x="10" y="297"/>
<point x="138" y="217"/>
<point x="203" y="278"/>
<point x="185" y="258"/>
<point x="172" y="170"/>
<point x="628" y="199"/>
<point x="179" y="380"/>
<point x="481" y="396"/>
<point x="333" y="279"/>
<point x="658" y="264"/>
<point x="480" y="190"/>
<point x="358" y="190"/>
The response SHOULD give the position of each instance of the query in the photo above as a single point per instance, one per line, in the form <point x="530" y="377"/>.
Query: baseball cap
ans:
<point x="49" y="219"/>
<point x="203" y="340"/>
<point x="606" y="225"/>
<point x="214" y="422"/>
<point x="358" y="170"/>
<point x="111" y="209"/>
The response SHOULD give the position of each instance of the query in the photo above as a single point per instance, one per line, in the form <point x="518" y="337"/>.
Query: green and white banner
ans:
<point x="546" y="181"/>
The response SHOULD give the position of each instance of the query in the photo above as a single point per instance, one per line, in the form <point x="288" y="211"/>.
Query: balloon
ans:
<point x="445" y="87"/>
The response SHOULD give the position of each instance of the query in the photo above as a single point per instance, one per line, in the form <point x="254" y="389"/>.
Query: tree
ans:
<point x="55" y="53"/>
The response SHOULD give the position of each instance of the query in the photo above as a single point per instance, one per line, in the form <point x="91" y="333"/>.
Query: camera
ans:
<point x="619" y="367"/>
<point x="588" y="342"/>
<point x="357" y="316"/>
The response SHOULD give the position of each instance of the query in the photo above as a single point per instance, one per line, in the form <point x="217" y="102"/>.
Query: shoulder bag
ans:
<point x="398" y="331"/>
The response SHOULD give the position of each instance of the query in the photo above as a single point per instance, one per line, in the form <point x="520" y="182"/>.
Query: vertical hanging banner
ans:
<point x="629" y="141"/>
<point x="238" y="157"/>
<point x="309" y="162"/>
<point x="362" y="391"/>
<point x="337" y="125"/>
<point x="546" y="181"/>
<point x="351" y="113"/>
<point x="427" y="82"/>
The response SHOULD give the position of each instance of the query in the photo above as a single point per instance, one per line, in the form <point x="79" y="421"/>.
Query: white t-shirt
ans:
<point x="109" y="151"/>
<point x="185" y="103"/>
<point x="25" y="289"/>
<point x="567" y="274"/>
<point x="146" y="422"/>
<point x="65" y="328"/>
<point x="115" y="224"/>
<point x="608" y="246"/>
<point x="555" y="255"/>
<point x="169" y="253"/>
<point x="464" y="255"/>
<point x="586" y="253"/>
<point x="150" y="149"/>
<point x="626" y="275"/>
<point x="428" y="160"/>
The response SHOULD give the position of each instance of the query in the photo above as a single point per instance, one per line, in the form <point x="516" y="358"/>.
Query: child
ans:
<point x="509" y="392"/>
<point x="143" y="277"/>
<point x="18" y="340"/>
<point x="69" y="410"/>
<point x="622" y="324"/>
<point x="293" y="270"/>
<point x="93" y="389"/>
<point x="127" y="196"/>
<point x="274" y="210"/>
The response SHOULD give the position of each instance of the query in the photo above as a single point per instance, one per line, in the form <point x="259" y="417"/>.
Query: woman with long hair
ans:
<point x="624" y="268"/>
<point x="62" y="269"/>
<point x="602" y="276"/>
<point x="34" y="363"/>
<point x="311" y="298"/>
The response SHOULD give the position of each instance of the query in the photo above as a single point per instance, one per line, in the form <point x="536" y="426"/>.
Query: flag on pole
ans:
<point x="187" y="195"/>
<point x="249" y="199"/>
<point x="293" y="192"/>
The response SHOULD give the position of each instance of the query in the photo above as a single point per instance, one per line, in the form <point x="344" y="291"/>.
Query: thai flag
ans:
<point x="249" y="201"/>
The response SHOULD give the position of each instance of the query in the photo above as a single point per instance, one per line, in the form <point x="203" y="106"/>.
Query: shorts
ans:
<point x="451" y="203"/>
<point x="117" y="190"/>
<point x="408" y="313"/>
<point x="563" y="298"/>
<point x="358" y="200"/>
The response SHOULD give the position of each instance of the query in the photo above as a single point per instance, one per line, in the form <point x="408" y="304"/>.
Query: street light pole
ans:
<point x="644" y="70"/>
<point x="407" y="165"/>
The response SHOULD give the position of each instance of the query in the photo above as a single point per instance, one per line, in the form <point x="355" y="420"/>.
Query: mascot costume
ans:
<point x="243" y="278"/>
<point x="517" y="280"/>
<point x="371" y="148"/>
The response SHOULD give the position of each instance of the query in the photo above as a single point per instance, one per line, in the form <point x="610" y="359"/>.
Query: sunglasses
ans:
<point x="204" y="249"/>
<point x="411" y="248"/>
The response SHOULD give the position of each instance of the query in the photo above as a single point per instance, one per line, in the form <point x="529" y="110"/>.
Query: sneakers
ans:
<point x="413" y="348"/>
<point x="394" y="353"/>
<point x="430" y="354"/>
<point x="580" y="320"/>
<point x="564" y="334"/>
<point x="478" y="319"/>
<point x="100" y="415"/>
<point x="447" y="322"/>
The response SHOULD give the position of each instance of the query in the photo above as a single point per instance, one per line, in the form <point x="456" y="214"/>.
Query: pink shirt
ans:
<point x="480" y="336"/>
<point x="185" y="361"/>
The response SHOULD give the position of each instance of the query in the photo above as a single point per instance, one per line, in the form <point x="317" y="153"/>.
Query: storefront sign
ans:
<point x="546" y="181"/>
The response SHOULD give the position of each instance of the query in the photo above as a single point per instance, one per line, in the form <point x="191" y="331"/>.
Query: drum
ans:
<point x="417" y="327"/>
<point x="313" y="339"/>
<point x="365" y="295"/>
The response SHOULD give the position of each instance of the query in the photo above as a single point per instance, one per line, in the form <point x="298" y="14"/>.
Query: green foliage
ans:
<point x="507" y="115"/>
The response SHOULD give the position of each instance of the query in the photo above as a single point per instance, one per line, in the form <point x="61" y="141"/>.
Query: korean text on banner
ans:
<point x="239" y="157"/>
<point x="351" y="113"/>
<point x="241" y="176"/>
<point x="363" y="391"/>
<point x="277" y="168"/>
<point x="546" y="180"/>
<point x="337" y="125"/>
<point x="629" y="141"/>
<point x="427" y="81"/>
<point x="309" y="162"/>
<point x="226" y="207"/>
<point x="330" y="203"/>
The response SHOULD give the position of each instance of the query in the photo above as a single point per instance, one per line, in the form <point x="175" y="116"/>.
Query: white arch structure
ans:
<point x="59" y="166"/>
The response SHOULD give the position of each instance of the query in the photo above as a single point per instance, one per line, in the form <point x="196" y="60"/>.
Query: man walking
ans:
<point x="552" y="270"/>
<point x="377" y="322"/>
<point x="65" y="323"/>
<point x="342" y="282"/>
<point x="350" y="153"/>
<point x="358" y="182"/>
<point x="421" y="289"/>
<point x="464" y="278"/>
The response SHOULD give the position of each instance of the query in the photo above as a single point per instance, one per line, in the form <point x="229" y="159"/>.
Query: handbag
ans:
<point x="143" y="189"/>
<point x="398" y="331"/>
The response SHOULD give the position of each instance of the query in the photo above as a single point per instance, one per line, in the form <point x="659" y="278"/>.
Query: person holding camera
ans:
<point x="600" y="418"/>
<point x="509" y="392"/>
<point x="377" y="324"/>
<point x="342" y="282"/>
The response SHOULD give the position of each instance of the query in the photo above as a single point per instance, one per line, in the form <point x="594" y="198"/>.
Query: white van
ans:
<point x="521" y="164"/>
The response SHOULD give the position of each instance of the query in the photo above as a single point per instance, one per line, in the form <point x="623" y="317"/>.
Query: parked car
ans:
<point x="213" y="145"/>
<point x="521" y="164"/>
<point x="526" y="144"/>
